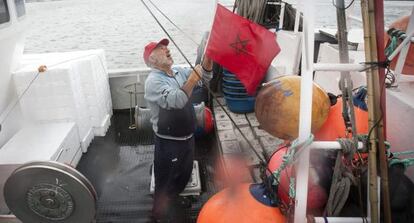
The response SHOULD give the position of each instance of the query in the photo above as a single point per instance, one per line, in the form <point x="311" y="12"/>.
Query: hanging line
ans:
<point x="208" y="89"/>
<point x="166" y="17"/>
<point x="41" y="69"/>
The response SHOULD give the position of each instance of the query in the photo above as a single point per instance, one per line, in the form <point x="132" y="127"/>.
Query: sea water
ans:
<point x="124" y="27"/>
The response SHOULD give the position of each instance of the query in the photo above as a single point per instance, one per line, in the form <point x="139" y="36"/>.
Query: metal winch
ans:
<point x="50" y="192"/>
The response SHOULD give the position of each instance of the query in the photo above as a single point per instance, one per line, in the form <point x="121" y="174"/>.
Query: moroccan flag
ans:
<point x="242" y="47"/>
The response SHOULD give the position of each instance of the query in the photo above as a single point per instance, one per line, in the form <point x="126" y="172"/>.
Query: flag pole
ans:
<point x="209" y="33"/>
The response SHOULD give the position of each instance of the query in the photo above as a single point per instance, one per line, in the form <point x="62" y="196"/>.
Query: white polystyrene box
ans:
<point x="56" y="95"/>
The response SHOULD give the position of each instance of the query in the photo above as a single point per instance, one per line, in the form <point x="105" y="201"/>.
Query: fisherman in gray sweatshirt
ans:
<point x="168" y="91"/>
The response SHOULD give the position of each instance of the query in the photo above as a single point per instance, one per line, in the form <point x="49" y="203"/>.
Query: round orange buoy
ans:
<point x="277" y="107"/>
<point x="334" y="126"/>
<point x="401" y="24"/>
<point x="237" y="204"/>
<point x="317" y="195"/>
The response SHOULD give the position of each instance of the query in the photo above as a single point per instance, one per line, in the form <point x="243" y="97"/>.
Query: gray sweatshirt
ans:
<point x="165" y="91"/>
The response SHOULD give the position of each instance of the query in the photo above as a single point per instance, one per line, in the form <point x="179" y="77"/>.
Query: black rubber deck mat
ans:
<point x="118" y="166"/>
<point x="126" y="136"/>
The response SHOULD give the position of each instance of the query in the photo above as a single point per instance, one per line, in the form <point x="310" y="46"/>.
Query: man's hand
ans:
<point x="207" y="64"/>
<point x="192" y="80"/>
<point x="196" y="76"/>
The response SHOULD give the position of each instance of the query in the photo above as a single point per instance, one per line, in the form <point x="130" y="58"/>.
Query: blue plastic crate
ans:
<point x="240" y="105"/>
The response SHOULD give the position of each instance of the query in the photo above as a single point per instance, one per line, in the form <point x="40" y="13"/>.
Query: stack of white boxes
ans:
<point x="94" y="84"/>
<point x="74" y="89"/>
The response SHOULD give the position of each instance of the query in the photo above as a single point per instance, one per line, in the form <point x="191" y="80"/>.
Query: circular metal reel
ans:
<point x="68" y="169"/>
<point x="50" y="192"/>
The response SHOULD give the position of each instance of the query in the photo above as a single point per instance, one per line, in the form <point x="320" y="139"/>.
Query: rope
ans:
<point x="287" y="159"/>
<point x="341" y="180"/>
<point x="403" y="153"/>
<point x="290" y="156"/>
<point x="405" y="162"/>
<point x="392" y="46"/>
<point x="252" y="9"/>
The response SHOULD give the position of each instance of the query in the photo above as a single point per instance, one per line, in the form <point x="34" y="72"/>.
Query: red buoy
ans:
<point x="317" y="195"/>
<point x="208" y="121"/>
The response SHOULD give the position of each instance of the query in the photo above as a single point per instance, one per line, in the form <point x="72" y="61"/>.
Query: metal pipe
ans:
<point x="282" y="15"/>
<point x="339" y="67"/>
<point x="330" y="145"/>
<point x="305" y="115"/>
<point x="297" y="20"/>
<point x="341" y="220"/>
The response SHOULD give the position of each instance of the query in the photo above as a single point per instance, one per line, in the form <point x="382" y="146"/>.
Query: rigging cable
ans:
<point x="166" y="17"/>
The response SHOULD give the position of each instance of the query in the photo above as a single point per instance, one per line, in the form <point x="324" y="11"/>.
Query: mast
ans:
<point x="382" y="131"/>
<point x="376" y="94"/>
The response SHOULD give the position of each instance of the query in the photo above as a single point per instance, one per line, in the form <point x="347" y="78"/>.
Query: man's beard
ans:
<point x="165" y="61"/>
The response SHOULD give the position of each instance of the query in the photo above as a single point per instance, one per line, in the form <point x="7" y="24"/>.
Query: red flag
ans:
<point x="241" y="46"/>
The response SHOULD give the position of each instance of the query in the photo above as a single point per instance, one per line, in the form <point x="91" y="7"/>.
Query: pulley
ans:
<point x="50" y="192"/>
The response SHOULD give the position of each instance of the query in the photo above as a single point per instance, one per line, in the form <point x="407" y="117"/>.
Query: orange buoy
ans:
<point x="334" y="126"/>
<point x="317" y="195"/>
<point x="277" y="107"/>
<point x="401" y="24"/>
<point x="237" y="204"/>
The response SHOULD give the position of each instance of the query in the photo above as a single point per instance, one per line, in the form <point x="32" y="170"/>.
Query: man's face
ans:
<point x="161" y="55"/>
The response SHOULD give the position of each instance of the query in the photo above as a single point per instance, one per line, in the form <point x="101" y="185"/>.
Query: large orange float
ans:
<point x="401" y="24"/>
<point x="237" y="204"/>
<point x="334" y="126"/>
<point x="277" y="107"/>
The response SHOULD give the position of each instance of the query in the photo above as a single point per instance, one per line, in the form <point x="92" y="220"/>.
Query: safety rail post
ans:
<point x="282" y="15"/>
<point x="305" y="115"/>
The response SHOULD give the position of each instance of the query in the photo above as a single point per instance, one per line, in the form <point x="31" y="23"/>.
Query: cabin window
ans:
<point x="20" y="8"/>
<point x="4" y="12"/>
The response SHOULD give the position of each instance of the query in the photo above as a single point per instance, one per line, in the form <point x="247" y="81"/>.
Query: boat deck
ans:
<point x="118" y="165"/>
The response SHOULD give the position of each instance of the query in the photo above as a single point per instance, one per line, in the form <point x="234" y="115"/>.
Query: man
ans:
<point x="168" y="90"/>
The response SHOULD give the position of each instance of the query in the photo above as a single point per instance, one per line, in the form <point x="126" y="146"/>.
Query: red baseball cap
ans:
<point x="151" y="46"/>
